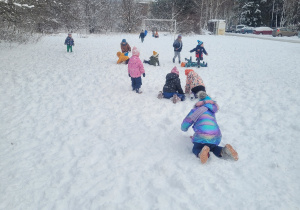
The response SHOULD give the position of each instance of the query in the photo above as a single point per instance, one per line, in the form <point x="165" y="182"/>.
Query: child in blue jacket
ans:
<point x="207" y="134"/>
<point x="199" y="51"/>
<point x="69" y="42"/>
<point x="177" y="48"/>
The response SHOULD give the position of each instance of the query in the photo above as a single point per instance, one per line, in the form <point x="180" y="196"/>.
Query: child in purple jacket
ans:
<point x="207" y="134"/>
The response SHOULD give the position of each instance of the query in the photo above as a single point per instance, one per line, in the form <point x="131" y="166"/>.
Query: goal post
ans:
<point x="160" y="24"/>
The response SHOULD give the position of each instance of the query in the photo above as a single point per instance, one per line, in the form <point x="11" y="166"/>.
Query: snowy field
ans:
<point x="74" y="136"/>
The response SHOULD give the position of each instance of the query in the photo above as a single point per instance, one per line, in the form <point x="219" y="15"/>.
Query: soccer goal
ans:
<point x="161" y="25"/>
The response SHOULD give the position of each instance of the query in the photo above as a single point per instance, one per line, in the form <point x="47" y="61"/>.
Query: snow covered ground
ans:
<point x="74" y="136"/>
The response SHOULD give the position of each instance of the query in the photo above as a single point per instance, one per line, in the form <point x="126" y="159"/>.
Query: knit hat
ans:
<point x="118" y="54"/>
<point x="187" y="71"/>
<point x="154" y="53"/>
<point x="135" y="51"/>
<point x="199" y="42"/>
<point x="175" y="70"/>
<point x="201" y="95"/>
<point x="179" y="36"/>
<point x="123" y="40"/>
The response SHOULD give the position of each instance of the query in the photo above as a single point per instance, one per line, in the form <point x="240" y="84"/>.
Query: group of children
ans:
<point x="207" y="136"/>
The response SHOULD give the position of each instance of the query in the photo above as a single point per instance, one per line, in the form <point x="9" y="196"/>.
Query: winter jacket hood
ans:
<point x="211" y="107"/>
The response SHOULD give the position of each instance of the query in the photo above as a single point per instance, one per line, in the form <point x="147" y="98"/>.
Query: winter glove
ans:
<point x="129" y="75"/>
<point x="191" y="51"/>
<point x="144" y="74"/>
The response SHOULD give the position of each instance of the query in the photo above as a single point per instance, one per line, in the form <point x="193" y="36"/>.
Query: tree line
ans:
<point x="20" y="19"/>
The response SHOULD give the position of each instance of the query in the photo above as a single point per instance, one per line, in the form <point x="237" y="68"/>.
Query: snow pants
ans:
<point x="170" y="95"/>
<point x="176" y="53"/>
<point x="213" y="148"/>
<point x="69" y="47"/>
<point x="136" y="83"/>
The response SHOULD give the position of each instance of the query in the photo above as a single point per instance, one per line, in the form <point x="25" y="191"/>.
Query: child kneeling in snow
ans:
<point x="194" y="83"/>
<point x="153" y="59"/>
<point x="122" y="58"/>
<point x="135" y="70"/>
<point x="172" y="88"/>
<point x="207" y="134"/>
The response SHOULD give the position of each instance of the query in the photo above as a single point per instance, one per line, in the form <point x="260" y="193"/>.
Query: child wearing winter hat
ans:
<point x="207" y="134"/>
<point x="69" y="42"/>
<point x="177" y="48"/>
<point x="172" y="89"/>
<point x="122" y="58"/>
<point x="194" y="83"/>
<point x="125" y="47"/>
<point x="153" y="59"/>
<point x="135" y="70"/>
<point x="199" y="52"/>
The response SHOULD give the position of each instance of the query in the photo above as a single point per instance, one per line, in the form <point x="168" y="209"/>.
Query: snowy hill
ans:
<point x="74" y="136"/>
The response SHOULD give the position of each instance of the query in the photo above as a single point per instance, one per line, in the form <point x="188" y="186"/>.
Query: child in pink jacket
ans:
<point x="135" y="70"/>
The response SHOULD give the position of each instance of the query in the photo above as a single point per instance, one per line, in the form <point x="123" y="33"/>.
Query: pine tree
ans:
<point x="251" y="13"/>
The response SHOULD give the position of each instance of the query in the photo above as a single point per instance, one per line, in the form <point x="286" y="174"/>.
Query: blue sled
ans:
<point x="190" y="63"/>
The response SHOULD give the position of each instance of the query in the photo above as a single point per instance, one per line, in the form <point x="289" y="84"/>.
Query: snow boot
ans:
<point x="175" y="99"/>
<point x="204" y="154"/>
<point x="138" y="91"/>
<point x="160" y="95"/>
<point x="173" y="60"/>
<point x="179" y="62"/>
<point x="228" y="150"/>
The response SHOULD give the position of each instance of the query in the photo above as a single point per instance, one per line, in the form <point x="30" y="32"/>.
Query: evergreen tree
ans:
<point x="251" y="13"/>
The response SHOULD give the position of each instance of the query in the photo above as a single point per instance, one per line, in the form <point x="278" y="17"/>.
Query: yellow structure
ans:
<point x="217" y="27"/>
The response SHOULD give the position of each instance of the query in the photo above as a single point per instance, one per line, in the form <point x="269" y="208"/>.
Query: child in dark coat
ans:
<point x="177" y="48"/>
<point x="69" y="42"/>
<point x="153" y="59"/>
<point x="142" y="36"/>
<point x="199" y="52"/>
<point x="207" y="134"/>
<point x="172" y="88"/>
